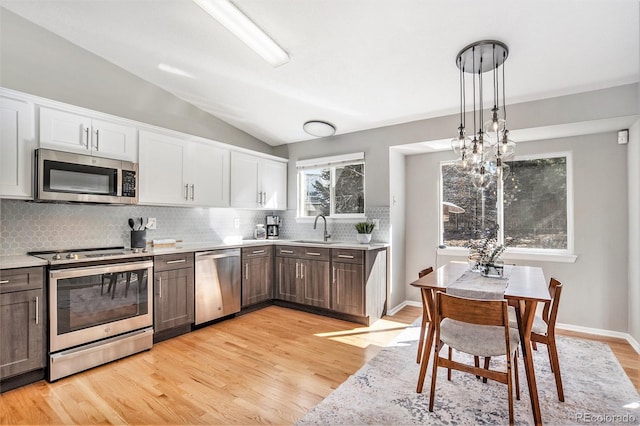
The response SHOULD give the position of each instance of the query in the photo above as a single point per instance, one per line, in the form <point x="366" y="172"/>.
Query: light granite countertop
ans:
<point x="24" y="260"/>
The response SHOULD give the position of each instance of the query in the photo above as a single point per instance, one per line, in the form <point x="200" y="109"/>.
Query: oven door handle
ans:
<point x="100" y="269"/>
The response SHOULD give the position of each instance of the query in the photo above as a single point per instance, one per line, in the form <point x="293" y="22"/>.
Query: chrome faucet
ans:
<point x="326" y="234"/>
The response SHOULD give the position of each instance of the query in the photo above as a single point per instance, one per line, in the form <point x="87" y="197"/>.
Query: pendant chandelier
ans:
<point x="483" y="154"/>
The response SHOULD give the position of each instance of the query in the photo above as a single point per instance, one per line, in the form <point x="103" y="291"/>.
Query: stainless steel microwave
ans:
<point x="63" y="177"/>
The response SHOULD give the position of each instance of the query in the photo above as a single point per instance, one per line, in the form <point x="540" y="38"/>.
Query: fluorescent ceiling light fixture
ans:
<point x="174" y="70"/>
<point x="245" y="29"/>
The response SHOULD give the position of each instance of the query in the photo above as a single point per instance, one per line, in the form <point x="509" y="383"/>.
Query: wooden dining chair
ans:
<point x="479" y="328"/>
<point x="426" y="316"/>
<point x="543" y="331"/>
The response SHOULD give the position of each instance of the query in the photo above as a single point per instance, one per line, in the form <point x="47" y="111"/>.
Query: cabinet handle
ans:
<point x="302" y="270"/>
<point x="193" y="191"/>
<point x="171" y="262"/>
<point x="246" y="271"/>
<point x="264" y="199"/>
<point x="297" y="268"/>
<point x="345" y="256"/>
<point x="313" y="253"/>
<point x="4" y="282"/>
<point x="37" y="309"/>
<point x="160" y="287"/>
<point x="257" y="251"/>
<point x="97" y="139"/>
<point x="86" y="138"/>
<point x="286" y="251"/>
<point x="334" y="274"/>
<point x="186" y="191"/>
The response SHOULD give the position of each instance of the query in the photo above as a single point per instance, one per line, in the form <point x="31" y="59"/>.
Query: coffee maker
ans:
<point x="273" y="227"/>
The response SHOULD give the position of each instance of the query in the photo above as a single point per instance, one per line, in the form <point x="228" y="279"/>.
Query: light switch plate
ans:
<point x="151" y="223"/>
<point x="623" y="137"/>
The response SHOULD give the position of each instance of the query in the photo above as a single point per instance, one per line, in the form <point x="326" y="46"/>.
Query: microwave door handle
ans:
<point x="97" y="139"/>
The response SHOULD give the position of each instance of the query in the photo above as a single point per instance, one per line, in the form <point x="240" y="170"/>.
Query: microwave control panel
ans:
<point x="128" y="183"/>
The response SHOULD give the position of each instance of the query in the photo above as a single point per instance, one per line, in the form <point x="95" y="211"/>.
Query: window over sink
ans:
<point x="332" y="186"/>
<point x="531" y="206"/>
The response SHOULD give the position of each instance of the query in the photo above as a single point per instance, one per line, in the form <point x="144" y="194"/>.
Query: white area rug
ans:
<point x="383" y="392"/>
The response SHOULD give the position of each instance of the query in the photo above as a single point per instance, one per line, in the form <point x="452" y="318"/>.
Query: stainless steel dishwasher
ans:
<point x="217" y="284"/>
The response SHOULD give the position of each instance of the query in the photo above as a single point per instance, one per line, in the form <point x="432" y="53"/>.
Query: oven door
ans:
<point x="92" y="303"/>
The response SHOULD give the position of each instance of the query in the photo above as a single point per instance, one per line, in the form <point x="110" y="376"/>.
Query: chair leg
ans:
<point x="534" y="346"/>
<point x="421" y="341"/>
<point x="487" y="359"/>
<point x="555" y="366"/>
<point x="509" y="386"/>
<point x="113" y="279"/>
<point x="476" y="362"/>
<point x="434" y="374"/>
<point x="515" y="373"/>
<point x="448" y="369"/>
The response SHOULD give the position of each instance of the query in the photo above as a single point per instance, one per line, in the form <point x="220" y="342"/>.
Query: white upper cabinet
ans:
<point x="258" y="182"/>
<point x="208" y="174"/>
<point x="66" y="131"/>
<point x="17" y="143"/>
<point x="175" y="171"/>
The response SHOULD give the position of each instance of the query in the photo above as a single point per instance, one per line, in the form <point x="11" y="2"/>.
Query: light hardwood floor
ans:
<point x="269" y="366"/>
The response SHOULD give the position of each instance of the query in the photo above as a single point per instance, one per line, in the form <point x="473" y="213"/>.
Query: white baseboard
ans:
<point x="569" y="327"/>
<point x="601" y="332"/>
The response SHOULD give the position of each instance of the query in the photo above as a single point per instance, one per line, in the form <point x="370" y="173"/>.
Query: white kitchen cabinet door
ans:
<point x="113" y="140"/>
<point x="209" y="175"/>
<point x="162" y="169"/>
<point x="245" y="180"/>
<point x="274" y="184"/>
<point x="64" y="131"/>
<point x="17" y="143"/>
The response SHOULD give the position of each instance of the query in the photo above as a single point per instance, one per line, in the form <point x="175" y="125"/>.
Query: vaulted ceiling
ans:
<point x="359" y="64"/>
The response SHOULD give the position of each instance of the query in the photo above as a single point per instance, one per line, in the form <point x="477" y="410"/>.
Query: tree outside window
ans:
<point x="533" y="211"/>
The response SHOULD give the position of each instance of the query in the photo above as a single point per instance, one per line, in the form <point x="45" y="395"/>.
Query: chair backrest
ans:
<point x="550" y="311"/>
<point x="473" y="311"/>
<point x="425" y="271"/>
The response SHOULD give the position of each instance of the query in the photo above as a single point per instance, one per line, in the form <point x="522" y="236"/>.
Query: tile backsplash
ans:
<point x="27" y="226"/>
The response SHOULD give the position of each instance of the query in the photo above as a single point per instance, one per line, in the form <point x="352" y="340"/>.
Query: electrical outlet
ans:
<point x="623" y="137"/>
<point x="151" y="223"/>
<point x="236" y="223"/>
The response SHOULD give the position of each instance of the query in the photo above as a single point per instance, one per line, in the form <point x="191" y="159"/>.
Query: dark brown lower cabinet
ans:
<point x="348" y="288"/>
<point x="302" y="275"/>
<point x="22" y="321"/>
<point x="257" y="275"/>
<point x="173" y="292"/>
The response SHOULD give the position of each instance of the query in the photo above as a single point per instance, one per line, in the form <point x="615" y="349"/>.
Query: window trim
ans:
<point x="330" y="162"/>
<point x="520" y="253"/>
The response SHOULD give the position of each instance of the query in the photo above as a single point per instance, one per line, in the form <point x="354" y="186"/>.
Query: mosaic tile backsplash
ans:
<point x="27" y="226"/>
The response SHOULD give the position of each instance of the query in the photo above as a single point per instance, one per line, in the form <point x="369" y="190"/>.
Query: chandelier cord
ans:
<point x="504" y="105"/>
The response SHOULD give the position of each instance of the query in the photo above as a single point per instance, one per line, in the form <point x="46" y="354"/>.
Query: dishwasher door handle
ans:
<point x="213" y="255"/>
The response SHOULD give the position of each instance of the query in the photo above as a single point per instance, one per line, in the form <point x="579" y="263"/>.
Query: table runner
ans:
<point x="473" y="285"/>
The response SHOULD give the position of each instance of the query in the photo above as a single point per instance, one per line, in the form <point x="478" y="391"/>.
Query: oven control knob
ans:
<point x="72" y="256"/>
<point x="135" y="250"/>
<point x="56" y="256"/>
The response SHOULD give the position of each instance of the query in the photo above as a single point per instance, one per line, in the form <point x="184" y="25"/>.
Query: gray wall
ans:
<point x="633" y="162"/>
<point x="595" y="286"/>
<point x="36" y="61"/>
<point x="397" y="189"/>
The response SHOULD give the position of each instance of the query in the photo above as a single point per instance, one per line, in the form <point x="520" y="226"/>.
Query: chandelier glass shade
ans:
<point x="484" y="153"/>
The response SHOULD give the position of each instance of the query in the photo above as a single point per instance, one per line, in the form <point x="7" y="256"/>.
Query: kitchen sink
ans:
<point x="315" y="242"/>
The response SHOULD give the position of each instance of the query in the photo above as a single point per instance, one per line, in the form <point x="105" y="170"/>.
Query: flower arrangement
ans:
<point x="485" y="253"/>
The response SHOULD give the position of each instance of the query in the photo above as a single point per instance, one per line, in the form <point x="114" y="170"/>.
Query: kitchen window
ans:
<point x="332" y="186"/>
<point x="530" y="207"/>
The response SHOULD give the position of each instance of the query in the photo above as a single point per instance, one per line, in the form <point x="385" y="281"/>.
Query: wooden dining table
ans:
<point x="526" y="286"/>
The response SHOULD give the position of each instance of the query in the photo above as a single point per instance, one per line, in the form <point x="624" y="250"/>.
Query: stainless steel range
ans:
<point x="100" y="307"/>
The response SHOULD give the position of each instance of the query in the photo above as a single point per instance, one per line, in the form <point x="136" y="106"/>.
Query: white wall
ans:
<point x="397" y="193"/>
<point x="36" y="61"/>
<point x="595" y="286"/>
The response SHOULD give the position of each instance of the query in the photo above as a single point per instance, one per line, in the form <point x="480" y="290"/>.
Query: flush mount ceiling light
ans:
<point x="245" y="29"/>
<point x="483" y="155"/>
<point x="318" y="128"/>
